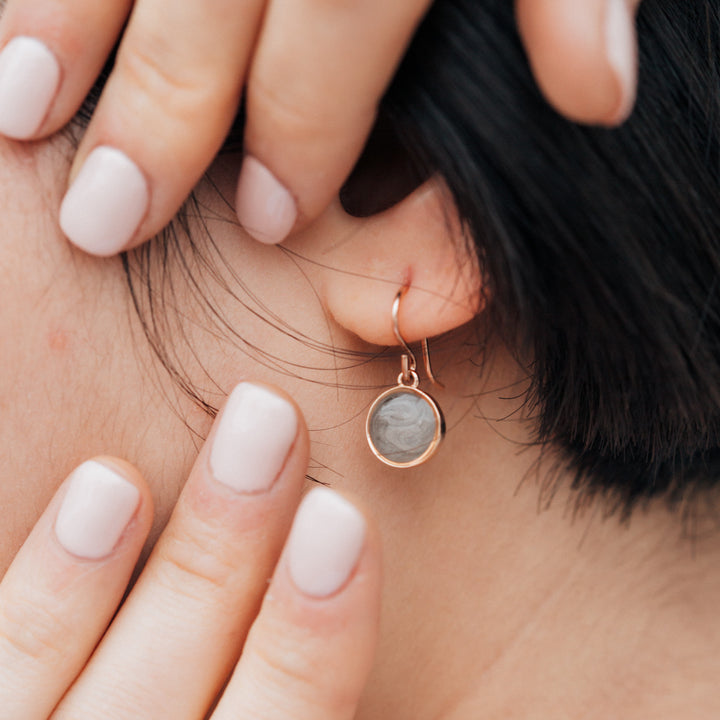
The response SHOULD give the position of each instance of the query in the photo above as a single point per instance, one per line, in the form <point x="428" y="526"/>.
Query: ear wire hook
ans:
<point x="428" y="367"/>
<point x="409" y="362"/>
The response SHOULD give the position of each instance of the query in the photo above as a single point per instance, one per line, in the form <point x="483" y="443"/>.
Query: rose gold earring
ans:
<point x="405" y="426"/>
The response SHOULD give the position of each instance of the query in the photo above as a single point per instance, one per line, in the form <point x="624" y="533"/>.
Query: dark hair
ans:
<point x="600" y="249"/>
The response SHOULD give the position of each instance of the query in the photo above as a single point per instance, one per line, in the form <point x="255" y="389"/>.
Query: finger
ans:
<point x="163" y="115"/>
<point x="312" y="646"/>
<point x="66" y="582"/>
<point x="52" y="52"/>
<point x="584" y="55"/>
<point x="180" y="631"/>
<point x="313" y="90"/>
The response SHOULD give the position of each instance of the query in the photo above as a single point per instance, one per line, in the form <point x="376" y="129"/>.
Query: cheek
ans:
<point x="57" y="340"/>
<point x="41" y="380"/>
<point x="50" y="321"/>
<point x="29" y="385"/>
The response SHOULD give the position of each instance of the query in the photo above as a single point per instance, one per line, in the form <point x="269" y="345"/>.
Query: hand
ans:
<point x="313" y="73"/>
<point x="305" y="642"/>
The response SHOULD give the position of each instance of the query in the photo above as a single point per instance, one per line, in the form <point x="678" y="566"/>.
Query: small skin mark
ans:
<point x="57" y="340"/>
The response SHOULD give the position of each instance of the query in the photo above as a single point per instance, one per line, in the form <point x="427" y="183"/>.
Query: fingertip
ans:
<point x="29" y="80"/>
<point x="131" y="474"/>
<point x="265" y="207"/>
<point x="329" y="578"/>
<point x="325" y="543"/>
<point x="583" y="56"/>
<point x="102" y="500"/>
<point x="106" y="203"/>
<point x="254" y="438"/>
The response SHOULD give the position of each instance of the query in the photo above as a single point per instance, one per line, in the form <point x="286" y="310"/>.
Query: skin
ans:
<point x="494" y="605"/>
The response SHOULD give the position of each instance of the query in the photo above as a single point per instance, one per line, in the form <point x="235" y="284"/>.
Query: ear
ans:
<point x="359" y="265"/>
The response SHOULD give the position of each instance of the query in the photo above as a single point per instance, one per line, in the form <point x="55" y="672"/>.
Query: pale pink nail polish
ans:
<point x="256" y="431"/>
<point x="622" y="53"/>
<point x="95" y="511"/>
<point x="264" y="207"/>
<point x="325" y="543"/>
<point x="103" y="208"/>
<point x="29" y="79"/>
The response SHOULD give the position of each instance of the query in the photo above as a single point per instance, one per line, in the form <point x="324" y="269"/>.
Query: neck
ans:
<point x="494" y="605"/>
<point x="504" y="608"/>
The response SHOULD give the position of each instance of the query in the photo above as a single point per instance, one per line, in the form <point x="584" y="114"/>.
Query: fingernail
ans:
<point x="325" y="543"/>
<point x="104" y="206"/>
<point x="29" y="79"/>
<point x="257" y="429"/>
<point x="622" y="54"/>
<point x="95" y="511"/>
<point x="264" y="207"/>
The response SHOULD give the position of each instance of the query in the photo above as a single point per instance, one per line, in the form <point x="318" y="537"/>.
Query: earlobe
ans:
<point x="361" y="263"/>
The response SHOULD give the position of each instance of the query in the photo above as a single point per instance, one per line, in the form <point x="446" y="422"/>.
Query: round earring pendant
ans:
<point x="404" y="427"/>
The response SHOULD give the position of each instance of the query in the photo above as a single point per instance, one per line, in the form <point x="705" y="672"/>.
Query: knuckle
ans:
<point x="287" y="673"/>
<point x="193" y="564"/>
<point x="289" y="114"/>
<point x="30" y="630"/>
<point x="148" y="68"/>
<point x="159" y="80"/>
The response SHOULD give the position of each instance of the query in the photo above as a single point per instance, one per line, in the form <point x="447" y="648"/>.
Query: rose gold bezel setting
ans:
<point x="434" y="443"/>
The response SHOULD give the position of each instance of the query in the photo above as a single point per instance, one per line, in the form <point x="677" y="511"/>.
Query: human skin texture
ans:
<point x="495" y="604"/>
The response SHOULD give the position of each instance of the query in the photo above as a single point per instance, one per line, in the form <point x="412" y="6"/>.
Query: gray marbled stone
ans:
<point x="403" y="426"/>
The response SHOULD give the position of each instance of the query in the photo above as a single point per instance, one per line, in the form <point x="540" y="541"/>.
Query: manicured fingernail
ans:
<point x="325" y="543"/>
<point x="257" y="429"/>
<point x="104" y="206"/>
<point x="264" y="207"/>
<point x="95" y="511"/>
<point x="622" y="53"/>
<point x="29" y="79"/>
